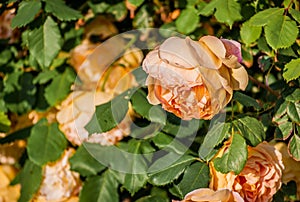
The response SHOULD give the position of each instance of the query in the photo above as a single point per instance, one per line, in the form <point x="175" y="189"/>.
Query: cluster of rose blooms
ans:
<point x="192" y="79"/>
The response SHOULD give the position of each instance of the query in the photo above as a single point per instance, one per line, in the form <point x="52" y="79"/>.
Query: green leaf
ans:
<point x="281" y="32"/>
<point x="84" y="163"/>
<point x="26" y="13"/>
<point x="19" y="92"/>
<point x="4" y="123"/>
<point x="163" y="173"/>
<point x="295" y="14"/>
<point x="294" y="96"/>
<point x="195" y="176"/>
<point x="44" y="43"/>
<point x="168" y="143"/>
<point x="134" y="181"/>
<point x="294" y="147"/>
<point x="293" y="111"/>
<point x="144" y="17"/>
<point x="30" y="180"/>
<point x="59" y="9"/>
<point x="46" y="143"/>
<point x="136" y="3"/>
<point x="181" y="128"/>
<point x="262" y="18"/>
<point x="246" y="100"/>
<point x="284" y="130"/>
<point x="109" y="114"/>
<point x="156" y="195"/>
<point x="141" y="105"/>
<point x="45" y="76"/>
<point x="100" y="188"/>
<point x="251" y="129"/>
<point x="216" y="134"/>
<point x="60" y="87"/>
<point x="188" y="20"/>
<point x="291" y="70"/>
<point x="140" y="76"/>
<point x="227" y="11"/>
<point x="119" y="11"/>
<point x="234" y="158"/>
<point x="249" y="33"/>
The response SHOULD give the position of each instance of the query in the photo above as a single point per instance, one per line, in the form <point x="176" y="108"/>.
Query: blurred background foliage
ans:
<point x="37" y="37"/>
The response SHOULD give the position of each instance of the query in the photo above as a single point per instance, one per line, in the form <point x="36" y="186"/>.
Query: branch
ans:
<point x="262" y="85"/>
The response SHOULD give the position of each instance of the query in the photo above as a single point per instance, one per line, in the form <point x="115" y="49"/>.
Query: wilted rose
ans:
<point x="77" y="110"/>
<point x="209" y="195"/>
<point x="194" y="79"/>
<point x="291" y="170"/>
<point x="59" y="182"/>
<point x="6" y="32"/>
<point x="8" y="192"/>
<point x="259" y="180"/>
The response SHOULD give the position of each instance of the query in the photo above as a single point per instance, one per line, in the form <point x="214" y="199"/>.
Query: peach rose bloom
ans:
<point x="291" y="170"/>
<point x="259" y="180"/>
<point x="77" y="110"/>
<point x="59" y="182"/>
<point x="8" y="193"/>
<point x="194" y="79"/>
<point x="209" y="195"/>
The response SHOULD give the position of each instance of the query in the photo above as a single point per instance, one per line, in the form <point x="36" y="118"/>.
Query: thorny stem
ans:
<point x="260" y="84"/>
<point x="288" y="7"/>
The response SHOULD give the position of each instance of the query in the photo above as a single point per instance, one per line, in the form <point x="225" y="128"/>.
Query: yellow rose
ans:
<point x="209" y="195"/>
<point x="194" y="79"/>
<point x="259" y="180"/>
<point x="59" y="182"/>
<point x="291" y="167"/>
<point x="77" y="110"/>
<point x="8" y="193"/>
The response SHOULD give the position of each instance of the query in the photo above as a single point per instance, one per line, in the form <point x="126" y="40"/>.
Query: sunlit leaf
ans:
<point x="294" y="147"/>
<point x="227" y="11"/>
<point x="250" y="33"/>
<point x="281" y="32"/>
<point x="234" y="158"/>
<point x="293" y="111"/>
<point x="188" y="20"/>
<point x="295" y="14"/>
<point x="291" y="70"/>
<point x="262" y="18"/>
<point x="4" y="122"/>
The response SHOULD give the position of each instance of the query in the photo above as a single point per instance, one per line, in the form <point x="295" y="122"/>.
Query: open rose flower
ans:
<point x="209" y="195"/>
<point x="59" y="184"/>
<point x="77" y="110"/>
<point x="194" y="79"/>
<point x="291" y="170"/>
<point x="259" y="180"/>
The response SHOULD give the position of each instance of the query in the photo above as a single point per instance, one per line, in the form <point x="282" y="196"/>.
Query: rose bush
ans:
<point x="194" y="79"/>
<point x="259" y="180"/>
